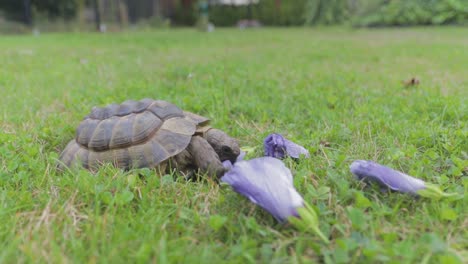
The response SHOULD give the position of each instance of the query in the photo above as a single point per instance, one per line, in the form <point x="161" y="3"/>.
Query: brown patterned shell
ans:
<point x="134" y="134"/>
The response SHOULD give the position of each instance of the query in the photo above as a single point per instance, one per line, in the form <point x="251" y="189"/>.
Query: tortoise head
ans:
<point x="225" y="146"/>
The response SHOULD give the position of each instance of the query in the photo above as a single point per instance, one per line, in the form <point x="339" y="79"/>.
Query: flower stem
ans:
<point x="433" y="191"/>
<point x="308" y="220"/>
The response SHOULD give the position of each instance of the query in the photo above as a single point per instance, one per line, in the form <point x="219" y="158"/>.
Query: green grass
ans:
<point x="337" y="92"/>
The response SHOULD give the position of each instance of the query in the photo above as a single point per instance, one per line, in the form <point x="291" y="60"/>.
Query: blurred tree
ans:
<point x="156" y="8"/>
<point x="123" y="13"/>
<point x="27" y="12"/>
<point x="97" y="14"/>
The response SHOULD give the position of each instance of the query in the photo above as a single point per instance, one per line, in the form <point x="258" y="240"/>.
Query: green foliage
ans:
<point x="227" y="15"/>
<point x="57" y="8"/>
<point x="268" y="12"/>
<point x="53" y="9"/>
<point x="360" y="12"/>
<point x="281" y="13"/>
<point x="451" y="12"/>
<point x="184" y="14"/>
<point x="416" y="12"/>
<point x="335" y="91"/>
<point x="13" y="27"/>
<point x="326" y="12"/>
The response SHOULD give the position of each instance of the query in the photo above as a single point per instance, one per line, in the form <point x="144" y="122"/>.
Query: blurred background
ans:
<point x="21" y="16"/>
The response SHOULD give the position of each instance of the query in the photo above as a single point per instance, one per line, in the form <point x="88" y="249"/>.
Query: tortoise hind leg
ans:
<point x="204" y="157"/>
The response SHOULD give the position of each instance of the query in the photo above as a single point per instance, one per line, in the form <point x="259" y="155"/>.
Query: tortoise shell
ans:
<point x="134" y="134"/>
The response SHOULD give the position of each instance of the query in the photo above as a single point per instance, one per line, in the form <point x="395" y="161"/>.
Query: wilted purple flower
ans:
<point x="398" y="181"/>
<point x="386" y="177"/>
<point x="278" y="147"/>
<point x="268" y="183"/>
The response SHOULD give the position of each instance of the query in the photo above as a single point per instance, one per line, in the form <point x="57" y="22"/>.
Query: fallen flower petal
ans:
<point x="227" y="164"/>
<point x="396" y="180"/>
<point x="267" y="183"/>
<point x="386" y="177"/>
<point x="279" y="147"/>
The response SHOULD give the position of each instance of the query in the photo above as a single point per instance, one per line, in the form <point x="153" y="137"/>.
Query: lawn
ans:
<point x="337" y="92"/>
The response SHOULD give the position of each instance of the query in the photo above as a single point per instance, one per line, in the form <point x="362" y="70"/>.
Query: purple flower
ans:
<point x="386" y="177"/>
<point x="278" y="147"/>
<point x="398" y="181"/>
<point x="268" y="183"/>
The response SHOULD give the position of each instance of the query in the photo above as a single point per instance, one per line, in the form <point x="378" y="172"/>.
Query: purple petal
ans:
<point x="278" y="147"/>
<point x="228" y="164"/>
<point x="385" y="176"/>
<point x="268" y="183"/>
<point x="241" y="156"/>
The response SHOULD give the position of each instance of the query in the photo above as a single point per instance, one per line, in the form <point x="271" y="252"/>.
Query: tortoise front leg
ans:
<point x="204" y="157"/>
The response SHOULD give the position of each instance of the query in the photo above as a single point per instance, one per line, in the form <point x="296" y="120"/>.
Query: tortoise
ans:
<point x="148" y="134"/>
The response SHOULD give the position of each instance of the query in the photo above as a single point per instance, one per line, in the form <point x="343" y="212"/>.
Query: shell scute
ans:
<point x="165" y="110"/>
<point x="104" y="112"/>
<point x="179" y="126"/>
<point x="122" y="133"/>
<point x="173" y="143"/>
<point x="144" y="125"/>
<point x="100" y="139"/>
<point x="85" y="131"/>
